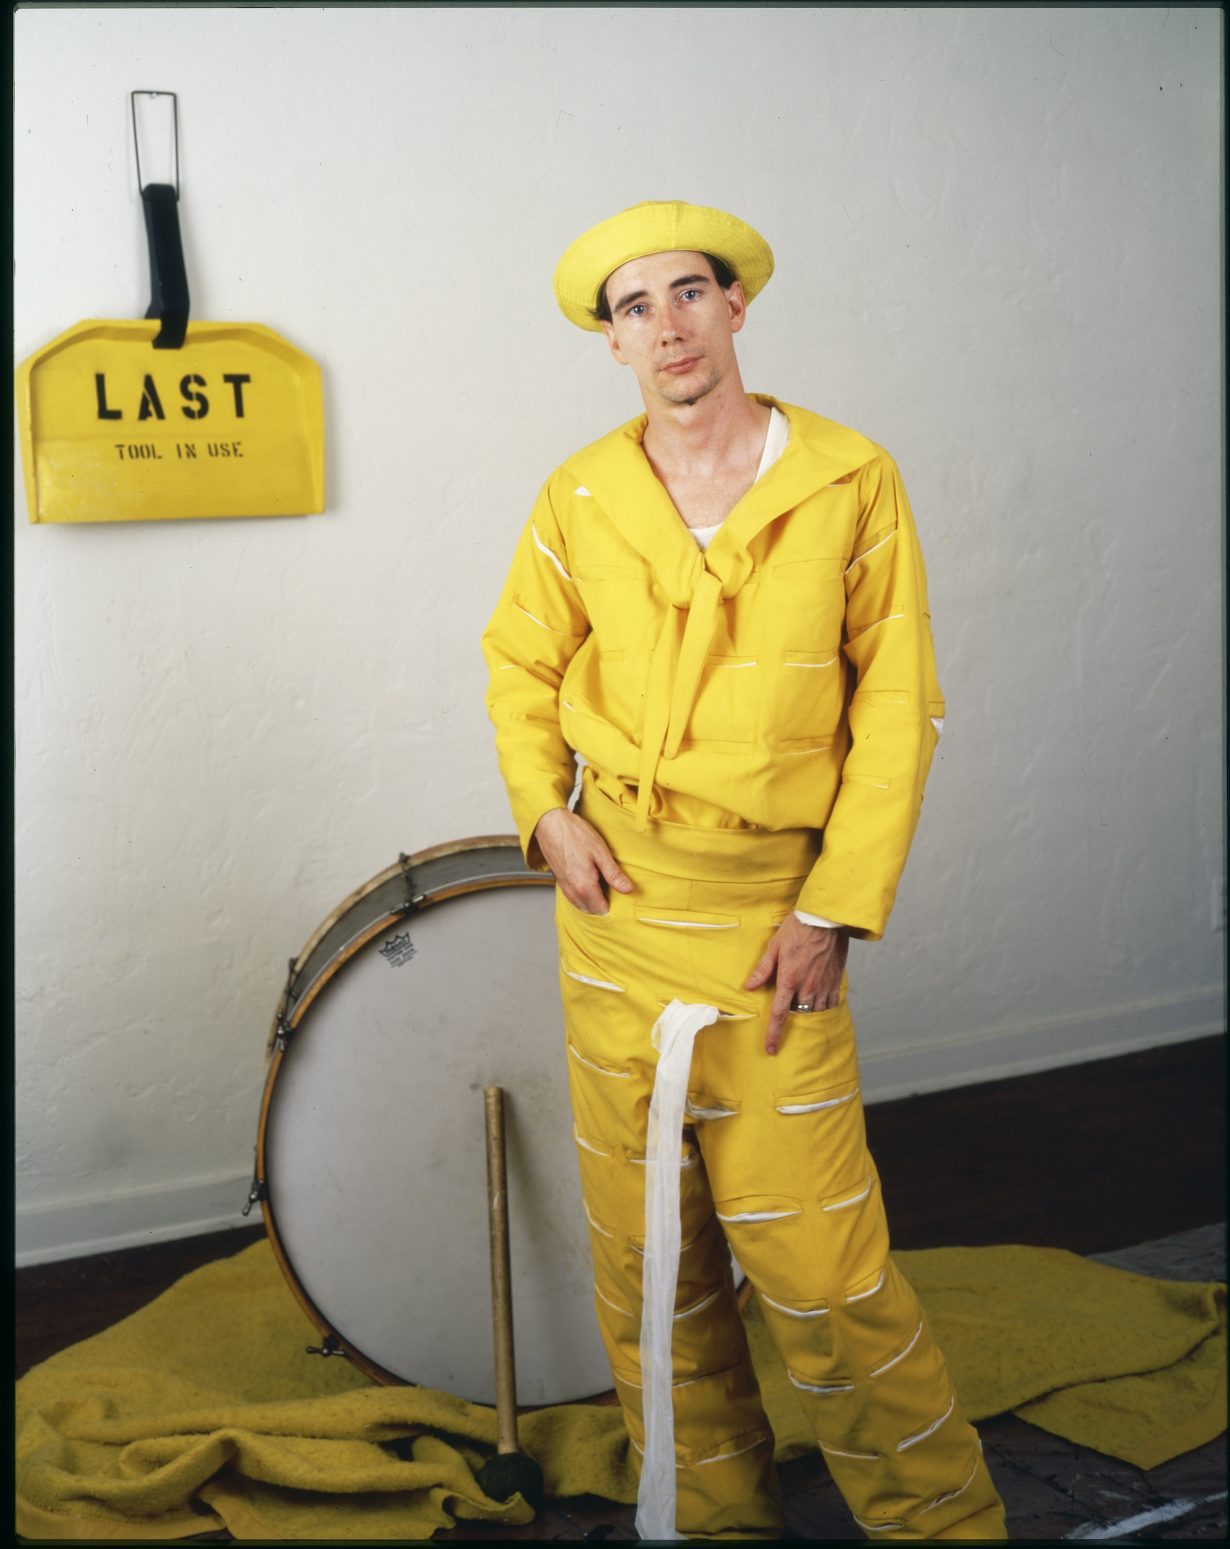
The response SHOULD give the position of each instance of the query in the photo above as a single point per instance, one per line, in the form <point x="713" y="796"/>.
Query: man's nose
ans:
<point x="670" y="325"/>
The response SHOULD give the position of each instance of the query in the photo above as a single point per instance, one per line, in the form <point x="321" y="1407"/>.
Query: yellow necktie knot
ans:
<point x="674" y="676"/>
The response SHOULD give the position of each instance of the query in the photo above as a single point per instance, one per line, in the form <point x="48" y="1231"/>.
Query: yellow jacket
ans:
<point x="783" y="679"/>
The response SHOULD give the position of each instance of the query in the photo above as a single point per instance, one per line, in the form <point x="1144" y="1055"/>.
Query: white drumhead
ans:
<point x="375" y="1158"/>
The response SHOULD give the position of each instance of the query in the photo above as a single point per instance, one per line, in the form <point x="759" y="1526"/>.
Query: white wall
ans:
<point x="997" y="237"/>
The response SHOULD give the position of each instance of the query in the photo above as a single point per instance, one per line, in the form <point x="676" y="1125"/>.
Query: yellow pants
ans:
<point x="774" y="1162"/>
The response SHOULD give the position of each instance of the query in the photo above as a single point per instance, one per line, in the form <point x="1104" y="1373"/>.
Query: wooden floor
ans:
<point x="1095" y="1158"/>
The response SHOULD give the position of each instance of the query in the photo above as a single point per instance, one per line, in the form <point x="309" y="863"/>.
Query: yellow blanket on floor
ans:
<point x="202" y="1412"/>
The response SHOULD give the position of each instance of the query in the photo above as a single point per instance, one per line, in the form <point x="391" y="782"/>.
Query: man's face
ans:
<point x="673" y="325"/>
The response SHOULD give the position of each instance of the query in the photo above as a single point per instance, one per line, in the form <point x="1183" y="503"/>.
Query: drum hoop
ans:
<point x="516" y="876"/>
<point x="339" y="1345"/>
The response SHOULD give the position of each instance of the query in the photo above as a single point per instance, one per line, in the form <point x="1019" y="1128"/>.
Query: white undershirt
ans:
<point x="775" y="441"/>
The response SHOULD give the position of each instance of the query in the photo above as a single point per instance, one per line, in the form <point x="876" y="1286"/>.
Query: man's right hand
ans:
<point x="576" y="853"/>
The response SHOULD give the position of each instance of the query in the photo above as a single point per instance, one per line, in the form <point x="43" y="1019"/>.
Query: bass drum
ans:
<point x="436" y="979"/>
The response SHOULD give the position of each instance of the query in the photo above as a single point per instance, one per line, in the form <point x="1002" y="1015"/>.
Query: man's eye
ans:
<point x="689" y="293"/>
<point x="636" y="308"/>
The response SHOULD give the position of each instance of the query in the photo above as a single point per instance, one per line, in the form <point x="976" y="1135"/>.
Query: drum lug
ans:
<point x="282" y="1028"/>
<point x="329" y="1346"/>
<point x="413" y="898"/>
<point x="257" y="1195"/>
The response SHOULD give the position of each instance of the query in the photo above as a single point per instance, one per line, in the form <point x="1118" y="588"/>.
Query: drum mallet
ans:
<point x="510" y="1472"/>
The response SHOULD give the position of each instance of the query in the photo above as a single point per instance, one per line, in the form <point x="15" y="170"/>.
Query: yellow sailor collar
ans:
<point x="617" y="474"/>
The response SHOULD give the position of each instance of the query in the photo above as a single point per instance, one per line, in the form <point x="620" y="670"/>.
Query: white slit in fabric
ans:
<point x="862" y="1295"/>
<point x="855" y="1199"/>
<point x="723" y="1456"/>
<point x="615" y="1075"/>
<point x="922" y="1435"/>
<point x="646" y="919"/>
<point x="949" y="1495"/>
<point x="888" y="1365"/>
<point x="824" y="1389"/>
<point x="887" y="619"/>
<point x="603" y="1231"/>
<point x="539" y="622"/>
<point x="690" y="1312"/>
<point x="602" y="1296"/>
<point x="550" y="553"/>
<point x="829" y="1102"/>
<point x="694" y="1111"/>
<point x="859" y="558"/>
<point x="598" y="984"/>
<point x="758" y="1215"/>
<point x="795" y="1312"/>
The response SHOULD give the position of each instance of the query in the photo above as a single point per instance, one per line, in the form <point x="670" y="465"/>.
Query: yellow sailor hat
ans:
<point x="658" y="226"/>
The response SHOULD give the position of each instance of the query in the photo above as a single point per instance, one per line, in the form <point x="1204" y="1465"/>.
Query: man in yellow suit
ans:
<point x="721" y="608"/>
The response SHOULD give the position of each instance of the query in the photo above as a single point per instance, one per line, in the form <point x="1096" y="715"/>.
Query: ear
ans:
<point x="737" y="303"/>
<point x="613" y="344"/>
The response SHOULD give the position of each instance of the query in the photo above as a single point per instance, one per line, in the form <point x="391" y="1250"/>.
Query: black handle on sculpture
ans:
<point x="168" y="277"/>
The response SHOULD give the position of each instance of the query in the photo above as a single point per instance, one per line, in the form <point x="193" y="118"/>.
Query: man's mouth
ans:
<point x="678" y="367"/>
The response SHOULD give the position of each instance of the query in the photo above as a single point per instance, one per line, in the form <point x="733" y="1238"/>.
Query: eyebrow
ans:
<point x="635" y="295"/>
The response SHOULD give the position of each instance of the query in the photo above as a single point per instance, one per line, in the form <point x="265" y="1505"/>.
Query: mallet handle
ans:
<point x="501" y="1275"/>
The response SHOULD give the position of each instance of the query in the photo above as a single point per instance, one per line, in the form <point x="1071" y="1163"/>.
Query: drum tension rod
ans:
<point x="412" y="899"/>
<point x="283" y="1031"/>
<point x="257" y="1195"/>
<point x="329" y="1346"/>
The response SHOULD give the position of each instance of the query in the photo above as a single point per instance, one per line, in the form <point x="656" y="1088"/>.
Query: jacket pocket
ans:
<point x="806" y="599"/>
<point x="726" y="700"/>
<point x="764" y="1232"/>
<point x="616" y="600"/>
<point x="807" y="700"/>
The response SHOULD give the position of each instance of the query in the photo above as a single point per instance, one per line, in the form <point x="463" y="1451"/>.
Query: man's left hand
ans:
<point x="808" y="961"/>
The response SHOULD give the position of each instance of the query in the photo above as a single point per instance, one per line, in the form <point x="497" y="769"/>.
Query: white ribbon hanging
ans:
<point x="673" y="1036"/>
